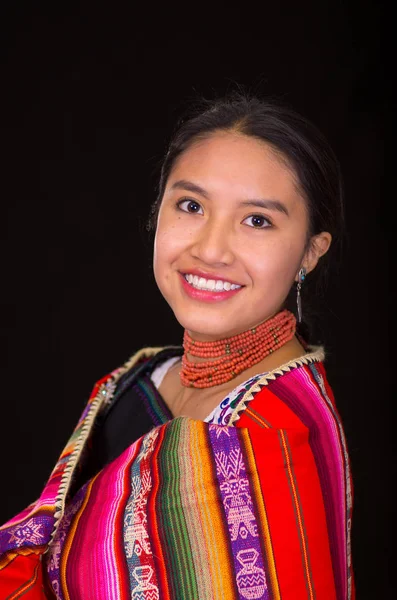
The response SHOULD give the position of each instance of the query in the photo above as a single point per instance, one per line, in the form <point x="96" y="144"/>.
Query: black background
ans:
<point x="89" y="97"/>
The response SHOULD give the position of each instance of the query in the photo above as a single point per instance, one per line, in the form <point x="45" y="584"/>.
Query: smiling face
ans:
<point x="231" y="236"/>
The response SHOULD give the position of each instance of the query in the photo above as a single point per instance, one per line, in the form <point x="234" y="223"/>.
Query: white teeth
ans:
<point x="210" y="284"/>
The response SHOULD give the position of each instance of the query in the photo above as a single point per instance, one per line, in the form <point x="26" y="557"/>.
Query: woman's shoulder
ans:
<point x="295" y="395"/>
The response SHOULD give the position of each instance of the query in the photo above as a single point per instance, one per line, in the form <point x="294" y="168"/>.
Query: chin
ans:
<point x="209" y="328"/>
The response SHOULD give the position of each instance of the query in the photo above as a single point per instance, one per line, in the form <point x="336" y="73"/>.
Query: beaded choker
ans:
<point x="233" y="355"/>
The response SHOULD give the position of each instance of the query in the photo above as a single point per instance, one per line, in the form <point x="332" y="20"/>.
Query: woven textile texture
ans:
<point x="259" y="508"/>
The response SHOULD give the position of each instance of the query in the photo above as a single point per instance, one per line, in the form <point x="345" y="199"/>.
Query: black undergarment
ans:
<point x="129" y="416"/>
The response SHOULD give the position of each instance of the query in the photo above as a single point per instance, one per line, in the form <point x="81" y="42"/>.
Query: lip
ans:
<point x="204" y="295"/>
<point x="206" y="275"/>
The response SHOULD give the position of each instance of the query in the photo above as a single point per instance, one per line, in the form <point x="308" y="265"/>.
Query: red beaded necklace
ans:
<point x="236" y="353"/>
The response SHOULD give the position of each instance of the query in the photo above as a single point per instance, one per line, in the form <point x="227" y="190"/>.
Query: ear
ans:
<point x="319" y="245"/>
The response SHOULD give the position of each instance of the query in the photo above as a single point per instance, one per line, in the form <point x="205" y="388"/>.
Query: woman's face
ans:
<point x="231" y="215"/>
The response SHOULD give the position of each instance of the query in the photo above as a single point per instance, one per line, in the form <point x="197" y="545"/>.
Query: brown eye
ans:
<point x="190" y="206"/>
<point x="258" y="222"/>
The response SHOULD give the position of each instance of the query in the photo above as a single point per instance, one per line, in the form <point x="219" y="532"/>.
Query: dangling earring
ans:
<point x="301" y="279"/>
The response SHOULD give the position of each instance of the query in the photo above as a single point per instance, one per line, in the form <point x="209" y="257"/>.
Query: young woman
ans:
<point x="218" y="469"/>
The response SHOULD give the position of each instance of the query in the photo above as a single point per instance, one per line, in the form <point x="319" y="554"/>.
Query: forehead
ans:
<point x="232" y="160"/>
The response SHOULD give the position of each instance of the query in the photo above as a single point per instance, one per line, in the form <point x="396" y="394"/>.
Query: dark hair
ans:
<point x="295" y="139"/>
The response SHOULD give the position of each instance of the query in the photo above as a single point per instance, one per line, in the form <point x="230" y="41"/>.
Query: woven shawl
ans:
<point x="260" y="508"/>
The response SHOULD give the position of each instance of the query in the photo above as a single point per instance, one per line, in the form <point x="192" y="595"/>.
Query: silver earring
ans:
<point x="301" y="279"/>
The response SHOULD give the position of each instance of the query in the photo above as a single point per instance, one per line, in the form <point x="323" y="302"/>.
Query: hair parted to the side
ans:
<point x="296" y="141"/>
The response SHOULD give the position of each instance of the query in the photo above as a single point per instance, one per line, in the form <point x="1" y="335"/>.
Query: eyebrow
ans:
<point x="182" y="184"/>
<point x="266" y="203"/>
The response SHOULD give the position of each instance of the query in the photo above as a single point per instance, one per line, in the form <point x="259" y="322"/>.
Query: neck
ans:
<point x="210" y="363"/>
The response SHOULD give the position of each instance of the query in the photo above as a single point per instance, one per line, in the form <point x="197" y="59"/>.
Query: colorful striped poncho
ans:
<point x="259" y="508"/>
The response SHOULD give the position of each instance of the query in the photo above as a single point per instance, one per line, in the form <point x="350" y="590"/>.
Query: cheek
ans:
<point x="168" y="245"/>
<point x="276" y="266"/>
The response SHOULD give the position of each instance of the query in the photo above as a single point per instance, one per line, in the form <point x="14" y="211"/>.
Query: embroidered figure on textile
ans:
<point x="148" y="444"/>
<point x="220" y="430"/>
<point x="32" y="531"/>
<point x="54" y="555"/>
<point x="136" y="538"/>
<point x="135" y="521"/>
<point x="56" y="589"/>
<point x="237" y="498"/>
<point x="145" y="590"/>
<point x="251" y="580"/>
<point x="231" y="469"/>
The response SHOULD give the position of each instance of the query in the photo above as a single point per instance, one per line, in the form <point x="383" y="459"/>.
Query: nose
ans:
<point x="212" y="244"/>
